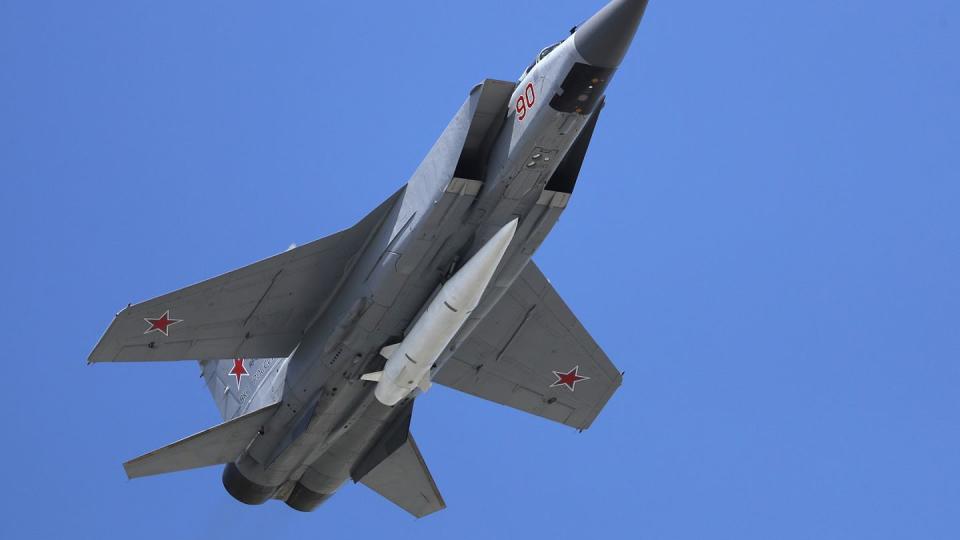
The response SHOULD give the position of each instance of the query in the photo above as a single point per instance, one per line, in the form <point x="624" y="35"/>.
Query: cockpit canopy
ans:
<point x="543" y="54"/>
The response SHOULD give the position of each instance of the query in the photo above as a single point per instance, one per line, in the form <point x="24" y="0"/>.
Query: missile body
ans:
<point x="409" y="362"/>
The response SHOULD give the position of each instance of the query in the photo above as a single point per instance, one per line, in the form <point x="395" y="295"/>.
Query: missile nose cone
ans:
<point x="604" y="39"/>
<point x="496" y="246"/>
<point x="505" y="235"/>
<point x="511" y="227"/>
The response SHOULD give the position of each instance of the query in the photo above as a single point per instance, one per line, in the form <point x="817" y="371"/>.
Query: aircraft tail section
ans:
<point x="220" y="444"/>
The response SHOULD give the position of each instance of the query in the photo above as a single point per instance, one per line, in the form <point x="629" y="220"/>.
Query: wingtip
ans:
<point x="126" y="470"/>
<point x="96" y="356"/>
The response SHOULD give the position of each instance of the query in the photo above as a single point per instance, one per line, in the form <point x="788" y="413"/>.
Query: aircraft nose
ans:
<point x="604" y="39"/>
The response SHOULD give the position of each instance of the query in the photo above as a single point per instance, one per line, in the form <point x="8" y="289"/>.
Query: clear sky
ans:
<point x="765" y="237"/>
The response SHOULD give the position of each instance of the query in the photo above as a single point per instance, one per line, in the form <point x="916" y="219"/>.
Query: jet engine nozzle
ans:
<point x="305" y="499"/>
<point x="242" y="489"/>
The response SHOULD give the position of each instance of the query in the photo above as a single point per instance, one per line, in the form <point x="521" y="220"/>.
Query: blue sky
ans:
<point x="765" y="237"/>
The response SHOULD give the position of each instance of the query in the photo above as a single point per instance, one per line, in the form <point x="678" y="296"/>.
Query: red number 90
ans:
<point x="526" y="101"/>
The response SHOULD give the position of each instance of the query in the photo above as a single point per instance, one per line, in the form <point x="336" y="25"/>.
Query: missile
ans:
<point x="409" y="362"/>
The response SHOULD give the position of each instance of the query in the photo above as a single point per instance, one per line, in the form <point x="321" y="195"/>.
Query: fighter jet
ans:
<point x="315" y="357"/>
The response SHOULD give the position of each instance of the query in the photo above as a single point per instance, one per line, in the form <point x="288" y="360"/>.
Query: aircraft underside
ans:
<point x="316" y="356"/>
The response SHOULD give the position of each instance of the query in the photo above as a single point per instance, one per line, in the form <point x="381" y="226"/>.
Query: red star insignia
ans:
<point x="238" y="370"/>
<point x="569" y="379"/>
<point x="161" y="323"/>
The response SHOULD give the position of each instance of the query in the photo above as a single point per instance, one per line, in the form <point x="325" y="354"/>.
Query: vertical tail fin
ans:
<point x="244" y="384"/>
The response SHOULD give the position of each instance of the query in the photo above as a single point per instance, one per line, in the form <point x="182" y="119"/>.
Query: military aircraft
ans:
<point x="316" y="356"/>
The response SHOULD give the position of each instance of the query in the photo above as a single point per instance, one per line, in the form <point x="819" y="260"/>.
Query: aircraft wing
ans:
<point x="531" y="353"/>
<point x="258" y="311"/>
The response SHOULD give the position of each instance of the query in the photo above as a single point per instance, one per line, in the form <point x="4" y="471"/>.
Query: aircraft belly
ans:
<point x="337" y="338"/>
<point x="399" y="271"/>
<point x="397" y="286"/>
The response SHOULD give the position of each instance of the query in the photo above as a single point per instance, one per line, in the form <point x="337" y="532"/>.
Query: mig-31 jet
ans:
<point x="315" y="357"/>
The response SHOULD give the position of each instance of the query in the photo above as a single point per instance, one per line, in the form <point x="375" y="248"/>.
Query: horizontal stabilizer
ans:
<point x="220" y="444"/>
<point x="404" y="479"/>
<point x="394" y="468"/>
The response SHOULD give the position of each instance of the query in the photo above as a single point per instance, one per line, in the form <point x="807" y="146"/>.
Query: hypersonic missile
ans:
<point x="409" y="362"/>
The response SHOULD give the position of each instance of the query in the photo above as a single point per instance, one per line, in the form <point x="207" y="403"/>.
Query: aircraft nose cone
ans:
<point x="604" y="39"/>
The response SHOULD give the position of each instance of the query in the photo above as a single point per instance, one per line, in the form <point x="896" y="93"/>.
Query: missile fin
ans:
<point x="375" y="376"/>
<point x="388" y="351"/>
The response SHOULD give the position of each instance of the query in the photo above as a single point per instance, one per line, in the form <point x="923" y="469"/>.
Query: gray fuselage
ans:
<point x="462" y="192"/>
